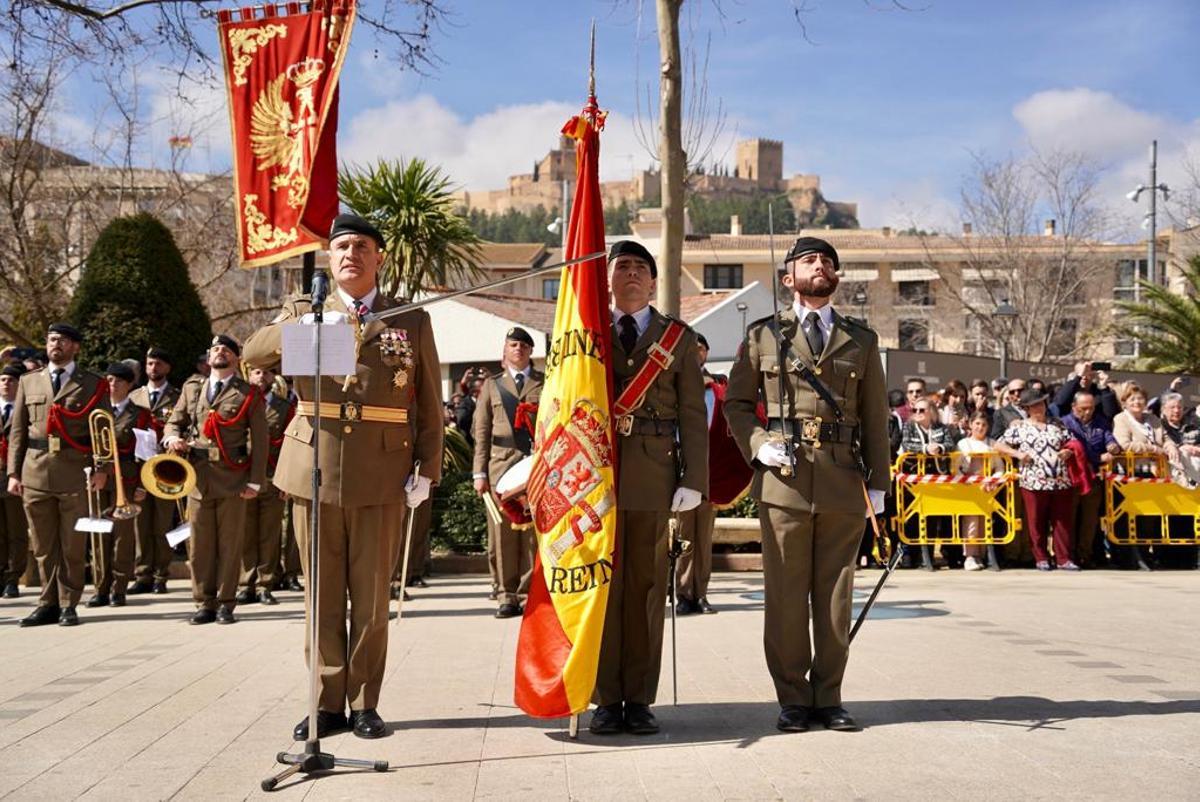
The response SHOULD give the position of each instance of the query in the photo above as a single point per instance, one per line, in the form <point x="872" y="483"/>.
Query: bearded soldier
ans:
<point x="823" y="438"/>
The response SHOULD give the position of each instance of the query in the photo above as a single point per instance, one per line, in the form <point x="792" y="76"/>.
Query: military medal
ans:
<point x="399" y="379"/>
<point x="396" y="351"/>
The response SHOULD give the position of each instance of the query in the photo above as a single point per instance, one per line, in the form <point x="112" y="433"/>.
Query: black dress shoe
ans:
<point x="10" y="591"/>
<point x="793" y="718"/>
<point x="118" y="600"/>
<point x="417" y="582"/>
<point x="160" y="587"/>
<point x="493" y="595"/>
<point x="835" y="718"/>
<point x="265" y="597"/>
<point x="705" y="607"/>
<point x="225" y="615"/>
<point x="293" y="583"/>
<point x="327" y="724"/>
<point x="42" y="616"/>
<point x="367" y="724"/>
<point x="246" y="596"/>
<point x="508" y="611"/>
<point x="139" y="587"/>
<point x="68" y="618"/>
<point x="686" y="607"/>
<point x="607" y="720"/>
<point x="98" y="600"/>
<point x="204" y="616"/>
<point x="639" y="720"/>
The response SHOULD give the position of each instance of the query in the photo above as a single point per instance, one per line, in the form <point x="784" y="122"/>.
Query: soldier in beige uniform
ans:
<point x="219" y="424"/>
<point x="663" y="452"/>
<point x="373" y="427"/>
<point x="264" y="513"/>
<point x="158" y="515"/>
<point x="14" y="528"/>
<point x="503" y="437"/>
<point x="113" y="552"/>
<point x="812" y="521"/>
<point x="49" y="447"/>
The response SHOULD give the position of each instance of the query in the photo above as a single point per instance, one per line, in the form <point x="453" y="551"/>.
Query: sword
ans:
<point x="887" y="569"/>
<point x="408" y="534"/>
<point x="675" y="548"/>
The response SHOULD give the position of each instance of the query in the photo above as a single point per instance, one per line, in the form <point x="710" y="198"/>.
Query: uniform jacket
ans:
<point x="215" y="479"/>
<point x="496" y="447"/>
<point x="827" y="479"/>
<point x="362" y="463"/>
<point x="278" y="411"/>
<point x="162" y="410"/>
<point x="650" y="464"/>
<point x="38" y="468"/>
<point x="133" y="416"/>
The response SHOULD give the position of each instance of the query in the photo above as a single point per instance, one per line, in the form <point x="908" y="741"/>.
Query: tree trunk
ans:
<point x="671" y="156"/>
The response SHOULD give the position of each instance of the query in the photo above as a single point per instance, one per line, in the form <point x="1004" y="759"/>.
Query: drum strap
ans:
<point x="510" y="402"/>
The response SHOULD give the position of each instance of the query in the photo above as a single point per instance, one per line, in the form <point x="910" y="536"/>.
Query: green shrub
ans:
<point x="459" y="518"/>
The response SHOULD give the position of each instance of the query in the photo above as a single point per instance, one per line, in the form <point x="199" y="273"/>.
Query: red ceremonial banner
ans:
<point x="281" y="73"/>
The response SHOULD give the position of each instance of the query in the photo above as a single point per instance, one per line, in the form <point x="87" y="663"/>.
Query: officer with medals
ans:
<point x="14" y="528"/>
<point x="663" y="468"/>
<point x="218" y="423"/>
<point x="113" y="552"/>
<point x="830" y="433"/>
<point x="374" y="427"/>
<point x="49" y="447"/>
<point x="158" y="515"/>
<point x="505" y="412"/>
<point x="262" y="543"/>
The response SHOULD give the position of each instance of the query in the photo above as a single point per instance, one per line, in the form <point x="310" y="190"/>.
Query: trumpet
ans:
<point x="103" y="430"/>
<point x="169" y="477"/>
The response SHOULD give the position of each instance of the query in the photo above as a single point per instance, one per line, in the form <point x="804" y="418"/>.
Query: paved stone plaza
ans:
<point x="1000" y="686"/>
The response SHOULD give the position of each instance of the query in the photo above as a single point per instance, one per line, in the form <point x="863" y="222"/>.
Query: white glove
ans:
<point x="773" y="454"/>
<point x="417" y="489"/>
<point x="686" y="499"/>
<point x="876" y="497"/>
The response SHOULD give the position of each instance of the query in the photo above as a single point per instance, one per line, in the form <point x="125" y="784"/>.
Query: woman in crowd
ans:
<point x="975" y="461"/>
<point x="925" y="434"/>
<point x="1041" y="445"/>
<point x="1140" y="431"/>
<point x="954" y="404"/>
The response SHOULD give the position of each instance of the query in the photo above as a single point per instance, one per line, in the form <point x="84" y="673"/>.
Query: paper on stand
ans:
<point x="145" y="444"/>
<point x="299" y="345"/>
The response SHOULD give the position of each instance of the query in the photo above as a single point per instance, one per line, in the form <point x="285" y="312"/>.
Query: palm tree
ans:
<point x="1168" y="324"/>
<point x="428" y="245"/>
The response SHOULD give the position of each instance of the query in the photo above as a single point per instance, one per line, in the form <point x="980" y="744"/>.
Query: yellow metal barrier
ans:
<point x="921" y="495"/>
<point x="1141" y="502"/>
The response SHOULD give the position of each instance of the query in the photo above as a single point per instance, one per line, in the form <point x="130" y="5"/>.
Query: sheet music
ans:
<point x="145" y="444"/>
<point x="338" y="350"/>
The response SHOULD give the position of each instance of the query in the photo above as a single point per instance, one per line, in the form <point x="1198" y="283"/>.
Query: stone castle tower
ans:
<point x="760" y="161"/>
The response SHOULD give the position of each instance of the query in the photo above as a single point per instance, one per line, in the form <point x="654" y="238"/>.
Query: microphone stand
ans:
<point x="312" y="760"/>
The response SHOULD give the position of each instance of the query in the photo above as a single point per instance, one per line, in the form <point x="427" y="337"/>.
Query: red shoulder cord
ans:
<point x="277" y="442"/>
<point x="525" y="416"/>
<point x="58" y="415"/>
<point x="214" y="423"/>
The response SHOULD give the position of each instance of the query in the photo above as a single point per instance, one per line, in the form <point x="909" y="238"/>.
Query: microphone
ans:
<point x="320" y="288"/>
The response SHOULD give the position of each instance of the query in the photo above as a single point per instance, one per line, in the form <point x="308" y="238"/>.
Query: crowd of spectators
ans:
<point x="1058" y="439"/>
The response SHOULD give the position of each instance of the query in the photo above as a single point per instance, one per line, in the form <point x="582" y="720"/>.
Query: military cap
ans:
<point x="700" y="338"/>
<point x="154" y="352"/>
<point x="228" y="342"/>
<point x="804" y="245"/>
<point x="520" y="335"/>
<point x="66" y="330"/>
<point x="353" y="224"/>
<point x="121" y="371"/>
<point x="628" y="247"/>
<point x="14" y="369"/>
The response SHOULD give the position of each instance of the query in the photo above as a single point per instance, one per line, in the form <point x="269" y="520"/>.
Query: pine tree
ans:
<point x="135" y="292"/>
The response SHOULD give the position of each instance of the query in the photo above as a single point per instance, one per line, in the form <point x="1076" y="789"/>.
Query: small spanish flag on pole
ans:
<point x="572" y="484"/>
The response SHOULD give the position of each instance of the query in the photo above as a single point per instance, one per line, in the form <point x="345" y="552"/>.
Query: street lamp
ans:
<point x="742" y="307"/>
<point x="1007" y="314"/>
<point x="1152" y="216"/>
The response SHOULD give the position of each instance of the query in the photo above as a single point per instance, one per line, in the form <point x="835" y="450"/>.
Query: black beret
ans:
<point x="700" y="338"/>
<point x="228" y="342"/>
<point x="628" y="247"/>
<point x="520" y="335"/>
<point x="353" y="224"/>
<point x="66" y="330"/>
<point x="14" y="369"/>
<point x="159" y="354"/>
<point x="120" y="370"/>
<point x="805" y="245"/>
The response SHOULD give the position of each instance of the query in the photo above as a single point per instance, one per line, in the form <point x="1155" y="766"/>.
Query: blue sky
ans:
<point x="885" y="105"/>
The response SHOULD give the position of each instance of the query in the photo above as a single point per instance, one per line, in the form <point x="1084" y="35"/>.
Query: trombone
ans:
<point x="169" y="477"/>
<point x="102" y="427"/>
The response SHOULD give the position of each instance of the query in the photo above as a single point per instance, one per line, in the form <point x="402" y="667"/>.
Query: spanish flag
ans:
<point x="572" y="483"/>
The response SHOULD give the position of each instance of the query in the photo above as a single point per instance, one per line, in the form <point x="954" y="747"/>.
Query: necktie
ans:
<point x="56" y="379"/>
<point x="628" y="333"/>
<point x="816" y="340"/>
<point x="360" y="310"/>
<point x="520" y="380"/>
<point x="7" y="412"/>
<point x="216" y="390"/>
<point x="153" y="399"/>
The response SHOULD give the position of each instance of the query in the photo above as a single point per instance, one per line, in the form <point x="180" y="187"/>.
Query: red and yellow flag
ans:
<point x="281" y="73"/>
<point x="572" y="484"/>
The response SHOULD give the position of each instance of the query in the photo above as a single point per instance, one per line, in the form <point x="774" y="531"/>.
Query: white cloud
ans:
<point x="480" y="152"/>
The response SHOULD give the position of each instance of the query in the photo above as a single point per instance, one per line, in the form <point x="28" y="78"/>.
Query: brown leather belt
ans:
<point x="353" y="411"/>
<point x="814" y="431"/>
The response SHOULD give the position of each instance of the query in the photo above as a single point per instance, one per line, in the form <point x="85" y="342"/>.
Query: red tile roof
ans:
<point x="534" y="312"/>
<point x="522" y="255"/>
